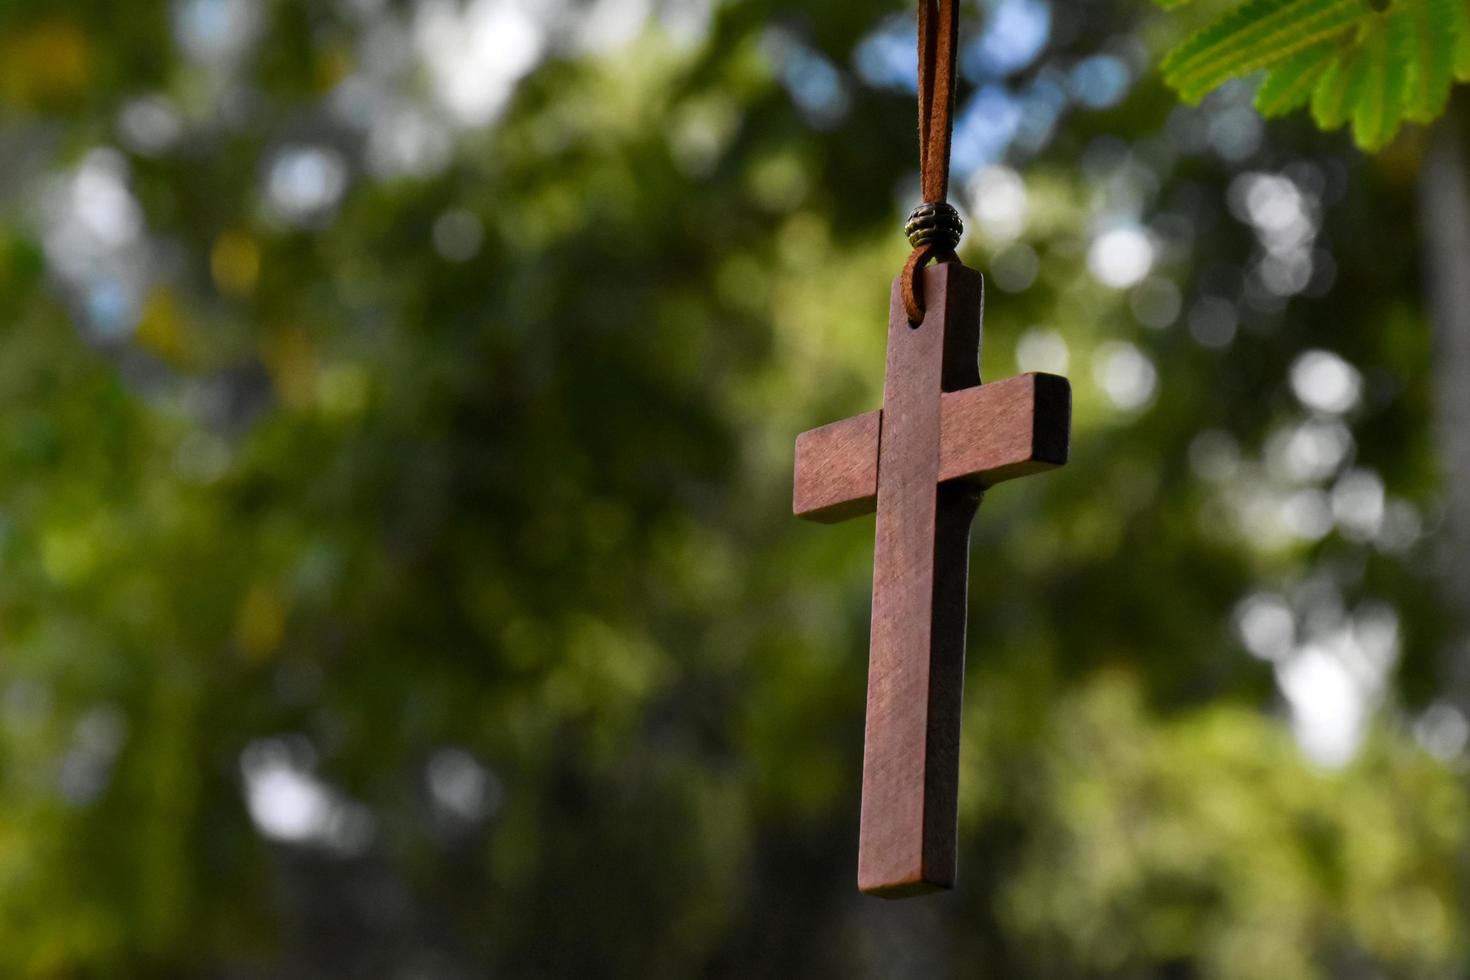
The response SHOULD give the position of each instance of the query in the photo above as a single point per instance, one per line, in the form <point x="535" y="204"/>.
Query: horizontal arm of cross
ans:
<point x="988" y="434"/>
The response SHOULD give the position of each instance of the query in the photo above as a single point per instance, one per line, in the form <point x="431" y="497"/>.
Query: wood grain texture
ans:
<point x="987" y="434"/>
<point x="837" y="470"/>
<point x="1006" y="429"/>
<point x="920" y="565"/>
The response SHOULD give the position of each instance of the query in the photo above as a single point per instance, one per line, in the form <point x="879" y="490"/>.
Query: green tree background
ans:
<point x="397" y="575"/>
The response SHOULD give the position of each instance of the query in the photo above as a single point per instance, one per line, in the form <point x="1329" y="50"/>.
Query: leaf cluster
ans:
<point x="1351" y="63"/>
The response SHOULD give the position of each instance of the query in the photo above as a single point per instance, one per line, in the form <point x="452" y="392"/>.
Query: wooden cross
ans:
<point x="923" y="463"/>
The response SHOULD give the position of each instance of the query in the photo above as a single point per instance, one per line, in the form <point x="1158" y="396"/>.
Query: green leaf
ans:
<point x="1331" y="105"/>
<point x="1420" y="42"/>
<point x="1289" y="85"/>
<point x="1255" y="35"/>
<point x="1377" y="87"/>
<point x="1460" y="28"/>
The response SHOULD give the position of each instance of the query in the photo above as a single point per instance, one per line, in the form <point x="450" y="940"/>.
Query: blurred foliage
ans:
<point x="398" y="571"/>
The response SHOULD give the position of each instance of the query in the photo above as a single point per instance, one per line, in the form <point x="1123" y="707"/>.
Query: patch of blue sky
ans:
<point x="889" y="56"/>
<point x="815" y="85"/>
<point x="112" y="310"/>
<point x="1015" y="34"/>
<point x="1042" y="105"/>
<point x="1101" y="81"/>
<point x="984" y="130"/>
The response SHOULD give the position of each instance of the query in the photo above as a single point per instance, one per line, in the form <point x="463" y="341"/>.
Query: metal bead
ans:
<point x="937" y="224"/>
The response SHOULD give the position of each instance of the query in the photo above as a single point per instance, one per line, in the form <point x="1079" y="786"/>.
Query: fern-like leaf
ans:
<point x="1256" y="35"/>
<point x="1289" y="85"/>
<point x="1421" y="39"/>
<point x="1373" y="68"/>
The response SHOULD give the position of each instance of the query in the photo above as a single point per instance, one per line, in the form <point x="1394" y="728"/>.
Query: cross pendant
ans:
<point x="923" y="463"/>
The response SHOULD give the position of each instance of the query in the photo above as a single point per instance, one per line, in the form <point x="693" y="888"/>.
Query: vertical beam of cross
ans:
<point x="924" y="461"/>
<point x="920" y="570"/>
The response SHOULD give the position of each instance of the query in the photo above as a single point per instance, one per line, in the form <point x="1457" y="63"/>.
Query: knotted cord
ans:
<point x="934" y="228"/>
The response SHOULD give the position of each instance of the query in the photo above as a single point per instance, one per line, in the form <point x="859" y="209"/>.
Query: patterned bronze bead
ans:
<point x="938" y="224"/>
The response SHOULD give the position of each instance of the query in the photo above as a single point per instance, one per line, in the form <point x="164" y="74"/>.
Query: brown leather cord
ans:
<point x="938" y="27"/>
